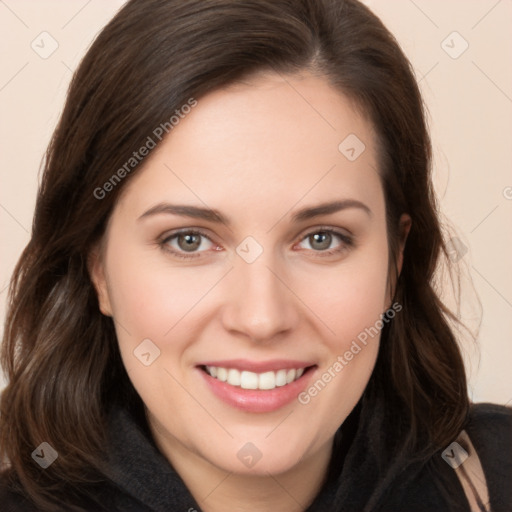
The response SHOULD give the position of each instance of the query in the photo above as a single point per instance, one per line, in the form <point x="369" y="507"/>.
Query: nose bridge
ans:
<point x="260" y="304"/>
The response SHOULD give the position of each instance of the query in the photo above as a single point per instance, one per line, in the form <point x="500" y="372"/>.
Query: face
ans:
<point x="242" y="266"/>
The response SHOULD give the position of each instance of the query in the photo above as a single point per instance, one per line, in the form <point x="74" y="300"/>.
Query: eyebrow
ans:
<point x="186" y="211"/>
<point x="213" y="215"/>
<point x="327" y="208"/>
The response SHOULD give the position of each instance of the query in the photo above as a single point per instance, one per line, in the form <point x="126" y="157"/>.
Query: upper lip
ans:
<point x="259" y="366"/>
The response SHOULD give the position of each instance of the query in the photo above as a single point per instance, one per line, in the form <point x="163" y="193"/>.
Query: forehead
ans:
<point x="275" y="138"/>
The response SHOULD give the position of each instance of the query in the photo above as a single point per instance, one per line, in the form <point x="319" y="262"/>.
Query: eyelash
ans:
<point x="347" y="242"/>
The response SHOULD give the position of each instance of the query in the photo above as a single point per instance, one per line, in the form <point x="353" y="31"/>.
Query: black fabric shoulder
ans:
<point x="490" y="430"/>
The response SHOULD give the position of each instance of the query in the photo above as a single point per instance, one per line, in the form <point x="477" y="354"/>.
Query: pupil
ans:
<point x="191" y="242"/>
<point x="324" y="240"/>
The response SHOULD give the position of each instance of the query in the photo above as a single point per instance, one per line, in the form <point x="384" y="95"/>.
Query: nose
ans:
<point x="260" y="304"/>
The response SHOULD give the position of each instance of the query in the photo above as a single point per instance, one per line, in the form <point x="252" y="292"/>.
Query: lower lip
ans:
<point x="257" y="400"/>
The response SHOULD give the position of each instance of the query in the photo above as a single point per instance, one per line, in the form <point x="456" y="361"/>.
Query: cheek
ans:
<point x="149" y="297"/>
<point x="352" y="297"/>
<point x="156" y="301"/>
<point x="351" y="305"/>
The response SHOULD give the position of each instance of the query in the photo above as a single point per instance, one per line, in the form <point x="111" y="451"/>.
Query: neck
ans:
<point x="217" y="490"/>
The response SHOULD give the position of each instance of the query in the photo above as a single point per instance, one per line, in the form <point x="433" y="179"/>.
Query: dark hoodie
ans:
<point x="365" y="473"/>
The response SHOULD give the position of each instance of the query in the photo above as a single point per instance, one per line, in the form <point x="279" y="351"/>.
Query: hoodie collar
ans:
<point x="362" y="465"/>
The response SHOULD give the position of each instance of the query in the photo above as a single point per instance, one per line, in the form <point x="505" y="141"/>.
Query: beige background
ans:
<point x="468" y="93"/>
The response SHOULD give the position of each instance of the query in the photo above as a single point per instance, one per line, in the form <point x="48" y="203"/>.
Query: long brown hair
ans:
<point x="60" y="353"/>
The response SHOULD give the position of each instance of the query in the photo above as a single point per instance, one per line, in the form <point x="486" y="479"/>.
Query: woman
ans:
<point x="227" y="300"/>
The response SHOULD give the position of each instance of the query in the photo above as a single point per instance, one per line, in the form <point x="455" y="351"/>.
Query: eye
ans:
<point x="187" y="244"/>
<point x="327" y="241"/>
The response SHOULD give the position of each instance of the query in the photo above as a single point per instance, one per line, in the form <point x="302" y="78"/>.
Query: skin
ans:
<point x="257" y="152"/>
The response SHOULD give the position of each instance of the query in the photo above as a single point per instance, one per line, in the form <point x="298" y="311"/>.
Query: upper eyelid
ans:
<point x="316" y="229"/>
<point x="171" y="234"/>
<point x="335" y="230"/>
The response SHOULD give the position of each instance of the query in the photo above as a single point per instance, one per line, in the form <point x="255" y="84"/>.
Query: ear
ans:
<point x="96" y="268"/>
<point x="404" y="227"/>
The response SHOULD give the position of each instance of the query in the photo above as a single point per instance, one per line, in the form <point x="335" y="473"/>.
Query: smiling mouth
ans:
<point x="251" y="380"/>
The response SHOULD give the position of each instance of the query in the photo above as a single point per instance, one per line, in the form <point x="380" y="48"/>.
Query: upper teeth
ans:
<point x="251" y="380"/>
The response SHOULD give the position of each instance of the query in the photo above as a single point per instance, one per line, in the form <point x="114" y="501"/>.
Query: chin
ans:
<point x="257" y="458"/>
